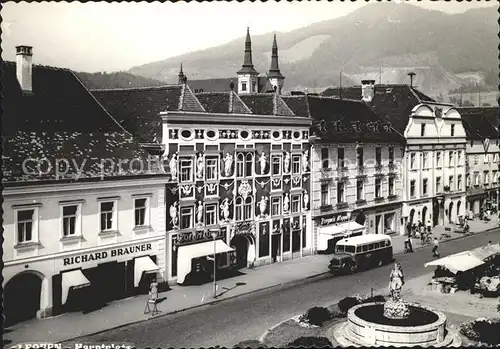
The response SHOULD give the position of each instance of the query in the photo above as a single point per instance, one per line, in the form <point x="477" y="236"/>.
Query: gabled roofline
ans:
<point x="101" y="106"/>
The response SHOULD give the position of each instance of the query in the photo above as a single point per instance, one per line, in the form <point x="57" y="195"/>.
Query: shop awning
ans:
<point x="457" y="262"/>
<point x="143" y="265"/>
<point x="485" y="252"/>
<point x="337" y="230"/>
<point x="186" y="253"/>
<point x="72" y="279"/>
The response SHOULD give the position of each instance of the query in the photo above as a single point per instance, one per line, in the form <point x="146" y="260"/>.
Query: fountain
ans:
<point x="394" y="322"/>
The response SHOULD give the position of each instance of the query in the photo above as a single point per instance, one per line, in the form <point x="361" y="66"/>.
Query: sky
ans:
<point x="110" y="37"/>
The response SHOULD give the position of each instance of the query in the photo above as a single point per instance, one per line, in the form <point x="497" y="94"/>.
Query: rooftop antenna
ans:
<point x="380" y="75"/>
<point x="461" y="95"/>
<point x="411" y="75"/>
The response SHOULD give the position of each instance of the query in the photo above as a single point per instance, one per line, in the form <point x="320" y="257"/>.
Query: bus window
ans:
<point x="365" y="248"/>
<point x="370" y="247"/>
<point x="349" y="249"/>
<point x="388" y="243"/>
<point x="340" y="248"/>
<point x="376" y="245"/>
<point x="358" y="249"/>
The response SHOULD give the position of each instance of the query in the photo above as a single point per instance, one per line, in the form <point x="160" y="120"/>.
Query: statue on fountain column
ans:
<point x="395" y="307"/>
<point x="397" y="281"/>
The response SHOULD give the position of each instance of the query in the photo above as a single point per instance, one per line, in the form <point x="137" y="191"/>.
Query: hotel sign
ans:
<point x="338" y="218"/>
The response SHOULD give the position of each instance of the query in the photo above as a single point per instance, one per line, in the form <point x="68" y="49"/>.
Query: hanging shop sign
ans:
<point x="197" y="236"/>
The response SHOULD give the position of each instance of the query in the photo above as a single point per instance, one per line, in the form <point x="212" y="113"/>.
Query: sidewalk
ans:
<point x="123" y="312"/>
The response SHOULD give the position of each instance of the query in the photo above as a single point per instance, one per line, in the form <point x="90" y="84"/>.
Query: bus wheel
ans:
<point x="354" y="268"/>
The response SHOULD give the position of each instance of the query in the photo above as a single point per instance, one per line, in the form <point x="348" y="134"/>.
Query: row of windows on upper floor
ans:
<point x="360" y="190"/>
<point x="360" y="157"/>
<point x="208" y="214"/>
<point x="424" y="188"/>
<point x="27" y="218"/>
<point x="423" y="130"/>
<point x="451" y="183"/>
<point x="426" y="163"/>
<point x="486" y="158"/>
<point x="209" y="167"/>
<point x="475" y="178"/>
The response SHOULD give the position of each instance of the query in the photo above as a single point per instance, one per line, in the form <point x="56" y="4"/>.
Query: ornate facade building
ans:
<point x="482" y="157"/>
<point x="356" y="169"/>
<point x="239" y="169"/>
<point x="84" y="210"/>
<point x="433" y="168"/>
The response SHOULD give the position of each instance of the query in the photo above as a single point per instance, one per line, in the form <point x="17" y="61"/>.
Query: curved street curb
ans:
<point x="306" y="280"/>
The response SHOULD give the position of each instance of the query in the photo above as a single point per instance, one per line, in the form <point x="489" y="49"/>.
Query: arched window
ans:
<point x="249" y="165"/>
<point x="239" y="209"/>
<point x="240" y="163"/>
<point x="248" y="210"/>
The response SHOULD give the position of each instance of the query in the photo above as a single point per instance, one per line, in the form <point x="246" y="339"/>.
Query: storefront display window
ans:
<point x="389" y="223"/>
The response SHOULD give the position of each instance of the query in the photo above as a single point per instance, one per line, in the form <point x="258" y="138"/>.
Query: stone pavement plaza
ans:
<point x="122" y="312"/>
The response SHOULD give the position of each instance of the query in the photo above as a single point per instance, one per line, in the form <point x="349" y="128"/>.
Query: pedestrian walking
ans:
<point x="422" y="230"/>
<point x="153" y="299"/>
<point x="435" y="252"/>
<point x="408" y="245"/>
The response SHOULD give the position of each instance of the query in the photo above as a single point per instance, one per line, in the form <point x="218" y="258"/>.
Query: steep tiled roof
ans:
<point x="61" y="121"/>
<point x="298" y="104"/>
<point x="266" y="104"/>
<point x="480" y="122"/>
<point x="393" y="101"/>
<point x="137" y="109"/>
<point x="222" y="102"/>
<point x="343" y="120"/>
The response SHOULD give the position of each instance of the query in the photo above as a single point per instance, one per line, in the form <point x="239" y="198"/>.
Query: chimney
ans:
<point x="24" y="63"/>
<point x="367" y="90"/>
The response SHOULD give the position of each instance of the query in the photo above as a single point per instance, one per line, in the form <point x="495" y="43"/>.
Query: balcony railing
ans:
<point x="391" y="167"/>
<point x="360" y="202"/>
<point x="392" y="197"/>
<point x="378" y="168"/>
<point x="360" y="170"/>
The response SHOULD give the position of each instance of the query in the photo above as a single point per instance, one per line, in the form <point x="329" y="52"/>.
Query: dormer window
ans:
<point x="254" y="86"/>
<point x="243" y="86"/>
<point x="422" y="130"/>
<point x="452" y="130"/>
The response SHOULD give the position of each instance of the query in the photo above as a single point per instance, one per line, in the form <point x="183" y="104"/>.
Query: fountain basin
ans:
<point x="367" y="326"/>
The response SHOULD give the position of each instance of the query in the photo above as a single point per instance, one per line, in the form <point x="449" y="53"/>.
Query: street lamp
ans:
<point x="214" y="236"/>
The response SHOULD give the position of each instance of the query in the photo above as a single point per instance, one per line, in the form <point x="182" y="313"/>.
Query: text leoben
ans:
<point x="95" y="256"/>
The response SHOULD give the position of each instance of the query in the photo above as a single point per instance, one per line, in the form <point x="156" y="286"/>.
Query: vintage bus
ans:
<point x="361" y="252"/>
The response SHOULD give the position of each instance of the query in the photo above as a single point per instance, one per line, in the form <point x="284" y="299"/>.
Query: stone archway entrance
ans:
<point x="22" y="297"/>
<point x="412" y="216"/>
<point x="459" y="204"/>
<point x="424" y="215"/>
<point x="241" y="244"/>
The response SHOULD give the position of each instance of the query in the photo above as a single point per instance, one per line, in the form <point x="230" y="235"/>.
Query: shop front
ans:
<point x="81" y="280"/>
<point x="193" y="253"/>
<point x="335" y="227"/>
<point x="475" y="203"/>
<point x="382" y="219"/>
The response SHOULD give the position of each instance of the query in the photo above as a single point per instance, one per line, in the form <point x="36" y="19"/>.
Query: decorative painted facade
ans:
<point x="242" y="176"/>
